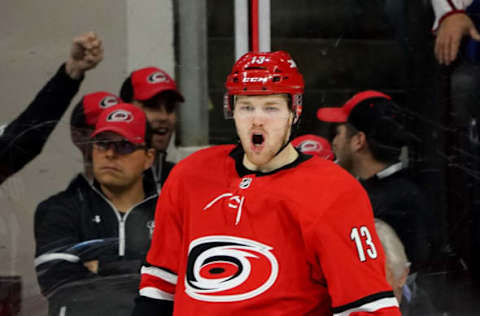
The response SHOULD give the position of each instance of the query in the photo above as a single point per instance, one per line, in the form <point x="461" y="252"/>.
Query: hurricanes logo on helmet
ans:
<point x="229" y="269"/>
<point x="120" y="116"/>
<point x="108" y="101"/>
<point x="157" y="77"/>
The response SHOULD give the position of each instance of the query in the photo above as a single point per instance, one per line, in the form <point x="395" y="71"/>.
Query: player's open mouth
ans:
<point x="258" y="141"/>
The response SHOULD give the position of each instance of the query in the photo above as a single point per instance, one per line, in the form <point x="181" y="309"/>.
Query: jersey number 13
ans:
<point x="364" y="243"/>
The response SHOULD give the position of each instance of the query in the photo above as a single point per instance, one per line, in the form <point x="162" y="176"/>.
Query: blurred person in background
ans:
<point x="82" y="123"/>
<point x="368" y="142"/>
<point x="412" y="299"/>
<point x="156" y="93"/>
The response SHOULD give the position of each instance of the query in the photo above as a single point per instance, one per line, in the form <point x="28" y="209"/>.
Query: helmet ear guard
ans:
<point x="228" y="106"/>
<point x="297" y="107"/>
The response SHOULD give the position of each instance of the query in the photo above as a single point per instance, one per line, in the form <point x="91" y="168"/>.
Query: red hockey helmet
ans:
<point x="264" y="73"/>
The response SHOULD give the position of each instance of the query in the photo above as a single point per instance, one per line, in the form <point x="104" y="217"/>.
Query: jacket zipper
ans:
<point x="121" y="221"/>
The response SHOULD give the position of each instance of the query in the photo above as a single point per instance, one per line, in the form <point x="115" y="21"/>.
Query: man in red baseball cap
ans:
<point x="156" y="93"/>
<point x="368" y="141"/>
<point x="104" y="229"/>
<point x="370" y="117"/>
<point x="82" y="123"/>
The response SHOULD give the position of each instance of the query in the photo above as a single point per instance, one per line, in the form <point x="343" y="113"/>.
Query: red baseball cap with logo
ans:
<point x="86" y="112"/>
<point x="314" y="145"/>
<point x="150" y="81"/>
<point x="375" y="114"/>
<point x="341" y="114"/>
<point x="124" y="119"/>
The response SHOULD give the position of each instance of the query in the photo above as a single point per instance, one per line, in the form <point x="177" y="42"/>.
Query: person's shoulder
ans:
<point x="213" y="151"/>
<point x="325" y="172"/>
<point x="325" y="181"/>
<point x="77" y="189"/>
<point x="204" y="158"/>
<point x="400" y="181"/>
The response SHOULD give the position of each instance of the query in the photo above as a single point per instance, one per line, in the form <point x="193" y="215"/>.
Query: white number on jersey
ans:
<point x="358" y="236"/>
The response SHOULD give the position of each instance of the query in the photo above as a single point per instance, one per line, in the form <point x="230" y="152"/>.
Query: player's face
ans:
<point x="162" y="119"/>
<point x="114" y="168"/>
<point x="263" y="124"/>
<point x="342" y="149"/>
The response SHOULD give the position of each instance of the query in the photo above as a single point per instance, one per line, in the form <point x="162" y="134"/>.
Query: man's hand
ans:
<point x="449" y="36"/>
<point x="85" y="54"/>
<point x="92" y="266"/>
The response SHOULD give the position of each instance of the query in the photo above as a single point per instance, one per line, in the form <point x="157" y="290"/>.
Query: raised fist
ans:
<point x="85" y="54"/>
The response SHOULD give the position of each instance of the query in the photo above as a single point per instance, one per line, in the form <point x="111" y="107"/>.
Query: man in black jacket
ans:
<point x="156" y="93"/>
<point x="368" y="142"/>
<point x="92" y="239"/>
<point x="23" y="139"/>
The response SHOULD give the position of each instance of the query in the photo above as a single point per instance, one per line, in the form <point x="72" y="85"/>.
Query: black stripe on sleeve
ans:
<point x="363" y="301"/>
<point x="148" y="265"/>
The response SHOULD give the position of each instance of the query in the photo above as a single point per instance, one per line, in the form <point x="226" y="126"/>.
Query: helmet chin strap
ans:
<point x="293" y="129"/>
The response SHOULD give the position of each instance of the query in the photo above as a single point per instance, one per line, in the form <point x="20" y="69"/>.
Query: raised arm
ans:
<point x="23" y="139"/>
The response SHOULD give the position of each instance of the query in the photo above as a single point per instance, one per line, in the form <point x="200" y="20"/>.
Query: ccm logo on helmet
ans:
<point x="120" y="116"/>
<point x="157" y="77"/>
<point x="108" y="102"/>
<point x="255" y="79"/>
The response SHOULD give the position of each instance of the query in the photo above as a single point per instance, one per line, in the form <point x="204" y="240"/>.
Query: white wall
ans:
<point x="35" y="39"/>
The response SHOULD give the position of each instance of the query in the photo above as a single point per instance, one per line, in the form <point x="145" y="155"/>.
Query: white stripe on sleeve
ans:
<point x="155" y="293"/>
<point x="159" y="273"/>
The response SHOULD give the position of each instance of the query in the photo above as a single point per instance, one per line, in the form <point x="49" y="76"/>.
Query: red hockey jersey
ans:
<point x="296" y="241"/>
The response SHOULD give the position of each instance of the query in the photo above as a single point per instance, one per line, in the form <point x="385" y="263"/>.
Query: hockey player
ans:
<point x="259" y="228"/>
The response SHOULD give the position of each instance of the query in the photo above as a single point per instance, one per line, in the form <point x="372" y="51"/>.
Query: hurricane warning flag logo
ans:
<point x="228" y="269"/>
<point x="108" y="101"/>
<point x="310" y="145"/>
<point x="120" y="116"/>
<point x="157" y="77"/>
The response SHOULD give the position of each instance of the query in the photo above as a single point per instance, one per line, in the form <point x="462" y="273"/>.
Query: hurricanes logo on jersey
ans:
<point x="228" y="269"/>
